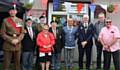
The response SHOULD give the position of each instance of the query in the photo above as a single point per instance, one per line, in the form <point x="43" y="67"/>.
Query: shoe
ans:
<point x="72" y="68"/>
<point x="98" y="68"/>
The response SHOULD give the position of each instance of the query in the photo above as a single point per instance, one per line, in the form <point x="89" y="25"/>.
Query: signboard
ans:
<point x="55" y="5"/>
<point x="72" y="8"/>
<point x="85" y="1"/>
<point x="79" y="0"/>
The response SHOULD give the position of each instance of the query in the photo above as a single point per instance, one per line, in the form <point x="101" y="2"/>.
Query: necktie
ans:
<point x="54" y="31"/>
<point x="30" y="33"/>
<point x="86" y="26"/>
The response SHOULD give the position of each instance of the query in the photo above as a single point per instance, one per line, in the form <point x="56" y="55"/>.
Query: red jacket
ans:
<point x="45" y="40"/>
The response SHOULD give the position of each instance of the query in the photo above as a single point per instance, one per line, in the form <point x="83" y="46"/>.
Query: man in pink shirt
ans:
<point x="109" y="38"/>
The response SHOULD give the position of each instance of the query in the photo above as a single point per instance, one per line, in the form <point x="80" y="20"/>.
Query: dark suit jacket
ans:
<point x="58" y="41"/>
<point x="28" y="43"/>
<point x="85" y="36"/>
<point x="37" y="28"/>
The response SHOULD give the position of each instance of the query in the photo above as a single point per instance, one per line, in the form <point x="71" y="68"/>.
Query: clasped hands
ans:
<point x="47" y="46"/>
<point x="15" y="41"/>
<point x="84" y="43"/>
<point x="107" y="47"/>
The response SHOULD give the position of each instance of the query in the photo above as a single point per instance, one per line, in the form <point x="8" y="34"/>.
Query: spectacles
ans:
<point x="45" y="29"/>
<point x="108" y="21"/>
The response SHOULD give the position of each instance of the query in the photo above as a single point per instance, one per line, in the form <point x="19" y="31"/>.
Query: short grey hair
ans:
<point x="86" y="15"/>
<point x="101" y="15"/>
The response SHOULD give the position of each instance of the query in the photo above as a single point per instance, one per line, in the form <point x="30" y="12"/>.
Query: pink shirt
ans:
<point x="107" y="35"/>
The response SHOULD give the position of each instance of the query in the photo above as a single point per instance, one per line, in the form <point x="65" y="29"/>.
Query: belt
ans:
<point x="13" y="35"/>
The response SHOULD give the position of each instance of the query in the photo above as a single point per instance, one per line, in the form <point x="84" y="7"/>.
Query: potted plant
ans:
<point x="110" y="8"/>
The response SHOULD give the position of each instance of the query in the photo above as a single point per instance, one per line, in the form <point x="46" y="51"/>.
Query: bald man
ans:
<point x="98" y="26"/>
<point x="85" y="42"/>
<point x="111" y="48"/>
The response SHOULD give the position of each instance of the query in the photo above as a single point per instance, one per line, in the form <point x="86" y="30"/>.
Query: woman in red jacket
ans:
<point x="45" y="42"/>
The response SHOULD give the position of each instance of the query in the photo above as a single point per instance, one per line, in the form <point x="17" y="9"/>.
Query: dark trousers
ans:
<point x="107" y="60"/>
<point x="99" y="53"/>
<point x="37" y="64"/>
<point x="87" y="50"/>
<point x="27" y="60"/>
<point x="7" y="58"/>
<point x="56" y="61"/>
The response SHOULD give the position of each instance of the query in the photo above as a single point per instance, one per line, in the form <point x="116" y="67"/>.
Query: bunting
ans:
<point x="79" y="7"/>
<point x="44" y="3"/>
<point x="68" y="6"/>
<point x="116" y="8"/>
<point x="92" y="7"/>
<point x="55" y="5"/>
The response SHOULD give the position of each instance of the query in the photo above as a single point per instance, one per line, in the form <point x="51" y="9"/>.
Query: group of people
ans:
<point x="21" y="40"/>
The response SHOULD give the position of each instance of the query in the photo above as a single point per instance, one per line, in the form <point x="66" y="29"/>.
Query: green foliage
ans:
<point x="110" y="8"/>
<point x="28" y="6"/>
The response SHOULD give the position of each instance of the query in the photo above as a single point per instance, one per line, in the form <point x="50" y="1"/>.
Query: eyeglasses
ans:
<point x="108" y="21"/>
<point x="101" y="17"/>
<point x="45" y="29"/>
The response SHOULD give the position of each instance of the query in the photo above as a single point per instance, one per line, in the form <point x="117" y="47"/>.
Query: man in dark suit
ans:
<point x="56" y="57"/>
<point x="28" y="43"/>
<point x="12" y="32"/>
<point x="85" y="42"/>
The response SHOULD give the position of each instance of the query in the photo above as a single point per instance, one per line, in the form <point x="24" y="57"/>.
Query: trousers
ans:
<point x="7" y="59"/>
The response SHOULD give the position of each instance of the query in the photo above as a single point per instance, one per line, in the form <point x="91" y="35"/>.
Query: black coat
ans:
<point x="28" y="44"/>
<point x="86" y="36"/>
<point x="58" y="41"/>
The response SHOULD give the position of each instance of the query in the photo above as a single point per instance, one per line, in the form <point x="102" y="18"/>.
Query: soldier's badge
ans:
<point x="18" y="25"/>
<point x="14" y="35"/>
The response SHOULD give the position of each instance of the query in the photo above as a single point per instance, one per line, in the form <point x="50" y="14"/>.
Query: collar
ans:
<point x="69" y="27"/>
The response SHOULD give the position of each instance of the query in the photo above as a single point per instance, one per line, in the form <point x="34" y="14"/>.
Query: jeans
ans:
<point x="107" y="60"/>
<point x="68" y="57"/>
<point x="56" y="61"/>
<point x="27" y="60"/>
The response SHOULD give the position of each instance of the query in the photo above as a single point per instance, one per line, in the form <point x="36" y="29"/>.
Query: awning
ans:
<point x="5" y="5"/>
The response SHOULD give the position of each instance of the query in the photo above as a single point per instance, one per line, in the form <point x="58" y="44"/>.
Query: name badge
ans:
<point x="49" y="53"/>
<point x="18" y="25"/>
<point x="41" y="54"/>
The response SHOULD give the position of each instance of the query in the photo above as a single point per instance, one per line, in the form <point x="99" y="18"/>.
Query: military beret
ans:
<point x="41" y="17"/>
<point x="28" y="19"/>
<point x="11" y="8"/>
<point x="53" y="22"/>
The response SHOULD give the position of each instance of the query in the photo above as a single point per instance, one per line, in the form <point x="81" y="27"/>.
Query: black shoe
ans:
<point x="98" y="68"/>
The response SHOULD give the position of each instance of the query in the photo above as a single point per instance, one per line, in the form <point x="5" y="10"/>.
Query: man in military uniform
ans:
<point x="12" y="32"/>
